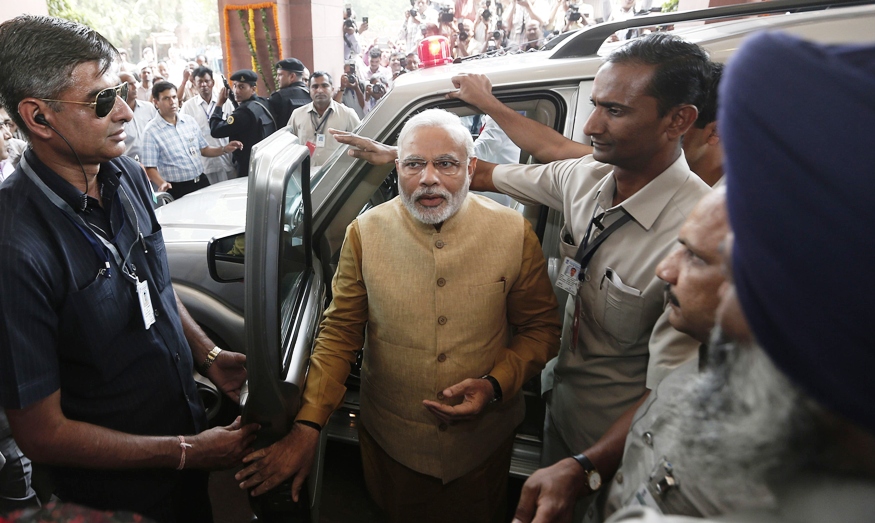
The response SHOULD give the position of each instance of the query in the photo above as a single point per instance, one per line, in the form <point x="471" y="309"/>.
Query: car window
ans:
<point x="293" y="266"/>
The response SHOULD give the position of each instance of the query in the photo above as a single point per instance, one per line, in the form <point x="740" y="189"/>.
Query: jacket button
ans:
<point x="442" y="320"/>
<point x="442" y="358"/>
<point x="442" y="427"/>
<point x="648" y="439"/>
<point x="441" y="282"/>
<point x="439" y="244"/>
<point x="177" y="356"/>
<point x="440" y="395"/>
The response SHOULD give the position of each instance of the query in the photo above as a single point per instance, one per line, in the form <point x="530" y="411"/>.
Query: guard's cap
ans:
<point x="244" y="75"/>
<point x="293" y="65"/>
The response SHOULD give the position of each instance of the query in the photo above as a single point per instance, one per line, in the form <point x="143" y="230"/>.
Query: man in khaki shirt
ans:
<point x="606" y="364"/>
<point x="310" y="123"/>
<point x="459" y="313"/>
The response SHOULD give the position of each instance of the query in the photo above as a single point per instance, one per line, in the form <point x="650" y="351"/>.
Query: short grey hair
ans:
<point x="443" y="119"/>
<point x="38" y="55"/>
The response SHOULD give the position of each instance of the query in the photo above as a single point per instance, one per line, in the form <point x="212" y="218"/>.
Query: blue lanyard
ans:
<point x="101" y="245"/>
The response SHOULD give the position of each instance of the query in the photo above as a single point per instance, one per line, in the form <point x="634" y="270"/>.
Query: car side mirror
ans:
<point x="225" y="257"/>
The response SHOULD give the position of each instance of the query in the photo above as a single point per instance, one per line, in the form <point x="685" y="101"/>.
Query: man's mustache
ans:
<point x="670" y="297"/>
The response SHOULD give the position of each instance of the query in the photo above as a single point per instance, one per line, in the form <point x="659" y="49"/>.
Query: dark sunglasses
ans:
<point x="103" y="102"/>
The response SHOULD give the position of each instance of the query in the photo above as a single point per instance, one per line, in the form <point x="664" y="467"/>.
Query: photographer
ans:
<point x="375" y="91"/>
<point x="533" y="37"/>
<point x="410" y="33"/>
<point x="577" y="16"/>
<point x="465" y="44"/>
<point x="350" y="93"/>
<point x="375" y="65"/>
<point x="351" y="45"/>
<point x="518" y="18"/>
<point x="446" y="21"/>
<point x="569" y="16"/>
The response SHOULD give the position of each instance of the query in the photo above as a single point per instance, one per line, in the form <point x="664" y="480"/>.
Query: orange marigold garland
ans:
<point x="249" y="33"/>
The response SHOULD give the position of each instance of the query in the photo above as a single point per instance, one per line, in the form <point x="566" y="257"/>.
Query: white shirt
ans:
<point x="144" y="112"/>
<point x="219" y="168"/>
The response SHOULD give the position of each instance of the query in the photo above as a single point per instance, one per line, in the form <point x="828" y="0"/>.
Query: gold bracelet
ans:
<point x="211" y="357"/>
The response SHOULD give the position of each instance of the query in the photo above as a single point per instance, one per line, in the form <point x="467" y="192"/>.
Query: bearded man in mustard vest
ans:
<point x="452" y="292"/>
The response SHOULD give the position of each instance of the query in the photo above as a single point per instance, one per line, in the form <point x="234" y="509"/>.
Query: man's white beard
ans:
<point x="742" y="424"/>
<point x="440" y="214"/>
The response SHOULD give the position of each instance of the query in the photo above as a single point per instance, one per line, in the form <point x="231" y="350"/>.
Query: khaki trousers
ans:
<point x="480" y="496"/>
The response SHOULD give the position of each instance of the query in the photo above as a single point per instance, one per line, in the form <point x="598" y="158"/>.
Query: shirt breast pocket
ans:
<point x="93" y="316"/>
<point x="623" y="307"/>
<point x="157" y="259"/>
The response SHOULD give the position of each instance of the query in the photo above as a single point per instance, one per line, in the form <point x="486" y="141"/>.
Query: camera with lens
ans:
<point x="486" y="14"/>
<point x="378" y="88"/>
<point x="413" y="11"/>
<point x="447" y="14"/>
<point x="573" y="13"/>
<point x="463" y="35"/>
<point x="350" y="76"/>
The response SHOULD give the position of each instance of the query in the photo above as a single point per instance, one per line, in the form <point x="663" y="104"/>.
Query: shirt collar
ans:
<point x="647" y="204"/>
<point x="109" y="177"/>
<point x="331" y="105"/>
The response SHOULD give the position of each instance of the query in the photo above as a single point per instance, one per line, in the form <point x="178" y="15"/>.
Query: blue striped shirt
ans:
<point x="174" y="149"/>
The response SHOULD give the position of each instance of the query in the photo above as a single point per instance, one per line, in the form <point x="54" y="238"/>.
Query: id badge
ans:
<point x="145" y="303"/>
<point x="320" y="140"/>
<point x="568" y="279"/>
<point x="192" y="151"/>
<point x="644" y="498"/>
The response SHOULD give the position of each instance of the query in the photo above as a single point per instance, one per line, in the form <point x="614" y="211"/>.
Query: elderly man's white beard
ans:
<point x="440" y="214"/>
<point x="742" y="424"/>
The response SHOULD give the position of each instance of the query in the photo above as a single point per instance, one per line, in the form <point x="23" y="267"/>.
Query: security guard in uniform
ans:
<point x="293" y="92"/>
<point x="250" y="123"/>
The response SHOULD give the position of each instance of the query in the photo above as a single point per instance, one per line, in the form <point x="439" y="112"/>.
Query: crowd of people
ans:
<point x="693" y="374"/>
<point x="472" y="27"/>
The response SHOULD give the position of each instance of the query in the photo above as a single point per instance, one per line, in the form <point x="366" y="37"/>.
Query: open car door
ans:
<point x="284" y="301"/>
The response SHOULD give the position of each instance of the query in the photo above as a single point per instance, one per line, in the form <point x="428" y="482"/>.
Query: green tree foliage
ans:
<point x="124" y="21"/>
<point x="62" y="9"/>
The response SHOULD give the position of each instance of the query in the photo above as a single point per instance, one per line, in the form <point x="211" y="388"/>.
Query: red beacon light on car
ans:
<point x="434" y="50"/>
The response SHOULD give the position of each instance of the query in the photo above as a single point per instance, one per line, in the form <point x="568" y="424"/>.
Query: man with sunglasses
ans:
<point x="96" y="351"/>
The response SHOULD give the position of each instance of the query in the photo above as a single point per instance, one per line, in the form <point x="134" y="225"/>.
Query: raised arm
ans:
<point x="542" y="142"/>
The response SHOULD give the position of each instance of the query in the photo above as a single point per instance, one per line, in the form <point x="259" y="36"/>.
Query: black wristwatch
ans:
<point x="593" y="478"/>
<point x="496" y="388"/>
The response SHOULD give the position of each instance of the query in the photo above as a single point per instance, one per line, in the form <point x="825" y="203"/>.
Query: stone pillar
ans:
<point x="309" y="30"/>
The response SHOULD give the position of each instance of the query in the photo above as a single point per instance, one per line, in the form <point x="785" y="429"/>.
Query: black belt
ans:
<point x="196" y="179"/>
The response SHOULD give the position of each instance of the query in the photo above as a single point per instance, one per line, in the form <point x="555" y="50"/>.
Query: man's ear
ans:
<point x="33" y="111"/>
<point x="682" y="118"/>
<point x="711" y="133"/>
